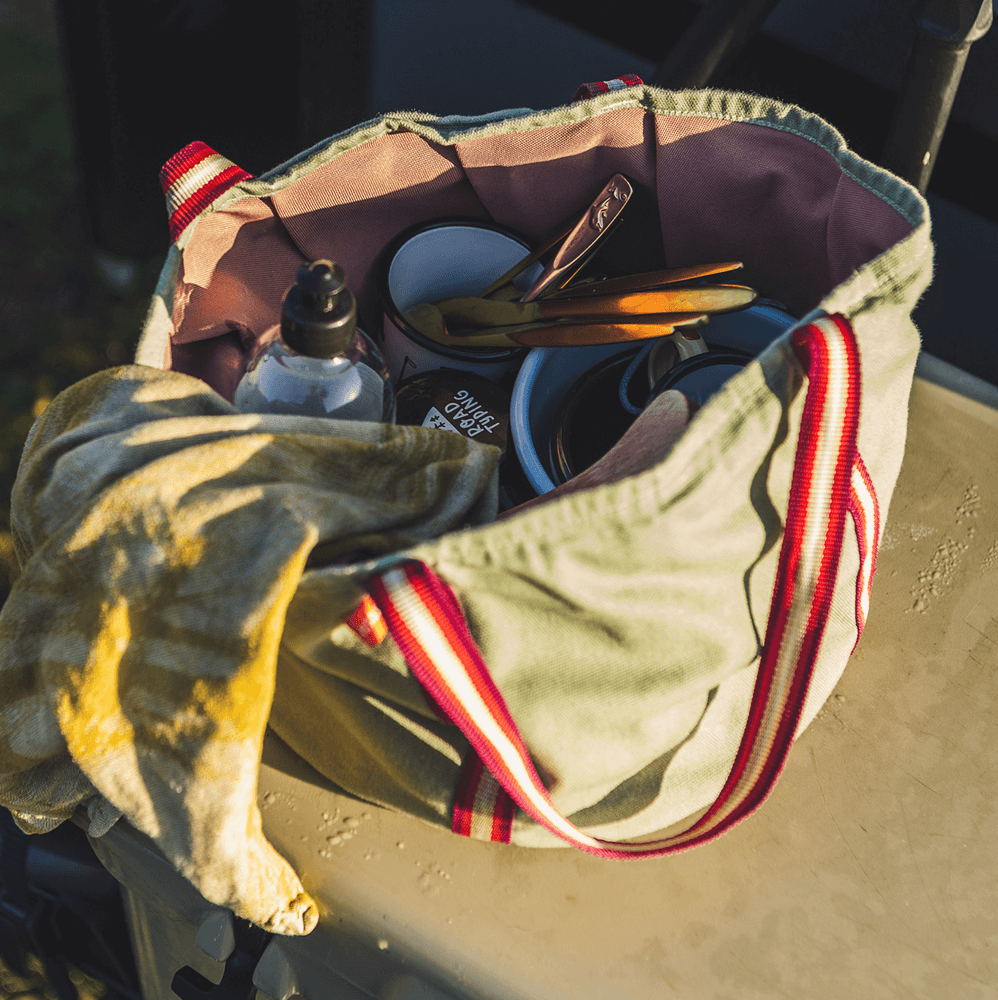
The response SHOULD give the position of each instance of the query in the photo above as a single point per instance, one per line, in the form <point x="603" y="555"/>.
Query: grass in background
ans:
<point x="58" y="321"/>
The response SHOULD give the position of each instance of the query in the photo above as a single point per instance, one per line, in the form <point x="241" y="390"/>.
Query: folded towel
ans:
<point x="161" y="535"/>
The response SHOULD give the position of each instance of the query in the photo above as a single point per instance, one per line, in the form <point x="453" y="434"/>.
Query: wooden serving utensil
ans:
<point x="471" y="313"/>
<point x="643" y="282"/>
<point x="430" y="322"/>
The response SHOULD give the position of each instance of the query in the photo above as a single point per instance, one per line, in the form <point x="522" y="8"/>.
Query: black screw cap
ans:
<point x="319" y="313"/>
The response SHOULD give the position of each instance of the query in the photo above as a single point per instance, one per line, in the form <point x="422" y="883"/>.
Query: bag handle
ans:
<point x="424" y="618"/>
<point x="192" y="179"/>
<point x="587" y="90"/>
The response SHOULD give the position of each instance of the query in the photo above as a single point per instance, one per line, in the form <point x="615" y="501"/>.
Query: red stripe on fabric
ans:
<point x="182" y="161"/>
<point x="858" y="512"/>
<point x="465" y="800"/>
<point x="437" y="600"/>
<point x="435" y="594"/>
<point x="866" y="522"/>
<point x="417" y="658"/>
<point x="411" y="648"/>
<point x="868" y="482"/>
<point x="811" y="427"/>
<point x="367" y="622"/>
<point x="786" y="576"/>
<point x="188" y="210"/>
<point x="588" y="90"/>
<point x="810" y="340"/>
<point x="874" y="514"/>
<point x="213" y="187"/>
<point x="464" y="806"/>
<point x="815" y="363"/>
<point x="464" y="797"/>
<point x="427" y="673"/>
<point x="814" y="343"/>
<point x="502" y="817"/>
<point x="440" y="602"/>
<point x="841" y="489"/>
<point x="434" y="706"/>
<point x="811" y="346"/>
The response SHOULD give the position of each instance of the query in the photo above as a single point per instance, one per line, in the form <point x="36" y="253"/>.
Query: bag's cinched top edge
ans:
<point x="447" y="130"/>
<point x="727" y="105"/>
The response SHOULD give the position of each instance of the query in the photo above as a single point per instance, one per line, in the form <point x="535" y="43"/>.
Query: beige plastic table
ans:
<point x="870" y="873"/>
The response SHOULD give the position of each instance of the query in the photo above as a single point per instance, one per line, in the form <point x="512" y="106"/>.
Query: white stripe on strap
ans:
<point x="192" y="180"/>
<point x="189" y="183"/>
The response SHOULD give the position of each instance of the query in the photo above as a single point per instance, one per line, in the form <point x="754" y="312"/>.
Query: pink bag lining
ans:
<point x="726" y="190"/>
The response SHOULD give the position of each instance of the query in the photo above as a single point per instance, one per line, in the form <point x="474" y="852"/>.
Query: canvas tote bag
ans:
<point x="613" y="662"/>
<point x="623" y="668"/>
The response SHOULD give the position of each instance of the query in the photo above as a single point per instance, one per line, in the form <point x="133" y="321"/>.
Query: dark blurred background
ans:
<point x="97" y="94"/>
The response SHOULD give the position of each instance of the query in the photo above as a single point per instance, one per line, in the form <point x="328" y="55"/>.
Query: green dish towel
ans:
<point x="161" y="536"/>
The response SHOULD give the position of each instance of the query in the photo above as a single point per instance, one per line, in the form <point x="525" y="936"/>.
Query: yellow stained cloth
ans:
<point x="161" y="536"/>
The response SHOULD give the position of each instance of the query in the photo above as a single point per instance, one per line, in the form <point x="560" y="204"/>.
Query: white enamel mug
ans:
<point x="438" y="260"/>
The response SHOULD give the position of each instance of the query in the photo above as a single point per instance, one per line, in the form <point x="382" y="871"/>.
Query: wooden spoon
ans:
<point x="430" y="322"/>
<point x="475" y="313"/>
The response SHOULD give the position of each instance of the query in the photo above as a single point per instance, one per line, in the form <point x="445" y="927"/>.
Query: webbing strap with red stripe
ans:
<point x="588" y="90"/>
<point x="865" y="511"/>
<point x="192" y="179"/>
<point x="424" y="618"/>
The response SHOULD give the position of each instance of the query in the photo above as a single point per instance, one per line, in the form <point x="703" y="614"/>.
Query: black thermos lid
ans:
<point x="319" y="312"/>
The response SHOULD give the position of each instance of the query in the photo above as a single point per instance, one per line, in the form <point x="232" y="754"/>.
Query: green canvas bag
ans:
<point x="623" y="668"/>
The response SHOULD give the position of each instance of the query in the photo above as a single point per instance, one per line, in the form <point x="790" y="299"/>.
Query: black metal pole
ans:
<point x="946" y="30"/>
<point x="711" y="42"/>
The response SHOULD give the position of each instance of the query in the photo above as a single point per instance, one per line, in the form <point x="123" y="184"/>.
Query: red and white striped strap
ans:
<point x="192" y="179"/>
<point x="865" y="511"/>
<point x="367" y="622"/>
<point x="588" y="90"/>
<point x="425" y="620"/>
